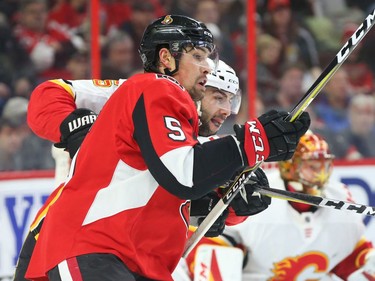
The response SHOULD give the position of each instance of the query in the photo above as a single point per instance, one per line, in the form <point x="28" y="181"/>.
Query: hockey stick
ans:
<point x="317" y="200"/>
<point x="300" y="107"/>
<point x="328" y="72"/>
<point x="220" y="206"/>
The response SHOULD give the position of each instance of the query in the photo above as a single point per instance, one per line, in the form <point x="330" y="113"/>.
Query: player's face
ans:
<point x="193" y="70"/>
<point x="215" y="107"/>
<point x="315" y="172"/>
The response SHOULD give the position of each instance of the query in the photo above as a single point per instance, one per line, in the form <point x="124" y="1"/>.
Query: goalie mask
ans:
<point x="177" y="33"/>
<point x="311" y="165"/>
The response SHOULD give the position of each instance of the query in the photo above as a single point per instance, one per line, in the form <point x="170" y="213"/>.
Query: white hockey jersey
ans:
<point x="284" y="244"/>
<point x="92" y="94"/>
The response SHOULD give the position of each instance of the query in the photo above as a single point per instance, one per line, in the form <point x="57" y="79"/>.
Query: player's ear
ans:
<point x="166" y="59"/>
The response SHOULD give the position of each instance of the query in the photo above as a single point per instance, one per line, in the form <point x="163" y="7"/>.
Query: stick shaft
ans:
<point x="317" y="201"/>
<point x="219" y="208"/>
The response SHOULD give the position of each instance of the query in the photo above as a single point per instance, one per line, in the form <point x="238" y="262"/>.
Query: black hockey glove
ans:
<point x="74" y="128"/>
<point x="218" y="227"/>
<point x="246" y="203"/>
<point x="201" y="207"/>
<point x="283" y="136"/>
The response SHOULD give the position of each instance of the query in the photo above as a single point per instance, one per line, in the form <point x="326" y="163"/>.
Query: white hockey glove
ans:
<point x="367" y="271"/>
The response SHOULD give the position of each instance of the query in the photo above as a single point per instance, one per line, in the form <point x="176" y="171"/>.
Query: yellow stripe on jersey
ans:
<point x="65" y="86"/>
<point x="42" y="215"/>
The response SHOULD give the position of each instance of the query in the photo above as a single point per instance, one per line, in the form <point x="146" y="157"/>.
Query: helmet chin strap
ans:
<point x="170" y="73"/>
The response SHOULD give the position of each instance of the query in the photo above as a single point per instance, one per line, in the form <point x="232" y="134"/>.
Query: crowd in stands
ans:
<point x="295" y="41"/>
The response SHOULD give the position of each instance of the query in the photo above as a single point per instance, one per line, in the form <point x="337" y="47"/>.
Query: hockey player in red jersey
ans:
<point x="127" y="199"/>
<point x="312" y="243"/>
<point x="221" y="99"/>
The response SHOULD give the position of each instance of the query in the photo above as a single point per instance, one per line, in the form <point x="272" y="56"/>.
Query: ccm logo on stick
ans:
<point x="356" y="37"/>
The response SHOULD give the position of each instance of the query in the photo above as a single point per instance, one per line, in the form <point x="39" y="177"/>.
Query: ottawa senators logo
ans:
<point x="167" y="20"/>
<point x="185" y="214"/>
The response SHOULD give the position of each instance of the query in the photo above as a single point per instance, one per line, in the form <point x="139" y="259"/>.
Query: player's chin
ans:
<point x="199" y="87"/>
<point x="196" y="93"/>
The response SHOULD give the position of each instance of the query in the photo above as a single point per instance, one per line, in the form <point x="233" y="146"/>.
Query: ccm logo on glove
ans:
<point x="257" y="140"/>
<point x="253" y="141"/>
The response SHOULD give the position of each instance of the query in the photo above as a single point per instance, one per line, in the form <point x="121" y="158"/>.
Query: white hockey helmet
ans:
<point x="225" y="79"/>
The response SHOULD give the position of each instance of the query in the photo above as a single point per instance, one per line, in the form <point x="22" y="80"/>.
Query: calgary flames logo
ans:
<point x="167" y="20"/>
<point x="293" y="267"/>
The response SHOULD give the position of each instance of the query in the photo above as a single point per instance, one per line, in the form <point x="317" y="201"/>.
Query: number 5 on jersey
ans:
<point x="174" y="126"/>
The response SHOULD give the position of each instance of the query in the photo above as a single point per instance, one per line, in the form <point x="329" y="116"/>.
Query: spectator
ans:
<point x="233" y="25"/>
<point x="366" y="6"/>
<point x="223" y="44"/>
<point x="14" y="60"/>
<point x="268" y="69"/>
<point x="115" y="13"/>
<point x="77" y="67"/>
<point x="13" y="131"/>
<point x="290" y="87"/>
<point x="118" y="60"/>
<point x="9" y="9"/>
<point x="45" y="47"/>
<point x="143" y="13"/>
<point x="5" y="93"/>
<point x="361" y="133"/>
<point x="23" y="86"/>
<point x="68" y="15"/>
<point x="180" y="7"/>
<point x="208" y="11"/>
<point x="360" y="75"/>
<point x="331" y="105"/>
<point x="298" y="45"/>
<point x="20" y="149"/>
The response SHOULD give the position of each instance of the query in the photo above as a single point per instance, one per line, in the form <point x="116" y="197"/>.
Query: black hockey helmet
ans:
<point x="175" y="32"/>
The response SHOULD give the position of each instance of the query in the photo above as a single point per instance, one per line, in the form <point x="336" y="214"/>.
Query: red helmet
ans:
<point x="311" y="164"/>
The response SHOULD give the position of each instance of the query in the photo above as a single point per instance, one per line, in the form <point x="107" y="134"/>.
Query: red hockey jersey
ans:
<point x="145" y="136"/>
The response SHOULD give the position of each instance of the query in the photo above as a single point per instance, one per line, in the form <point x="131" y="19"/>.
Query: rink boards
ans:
<point x="22" y="194"/>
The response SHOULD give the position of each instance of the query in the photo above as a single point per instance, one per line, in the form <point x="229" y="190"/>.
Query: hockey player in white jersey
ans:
<point x="295" y="241"/>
